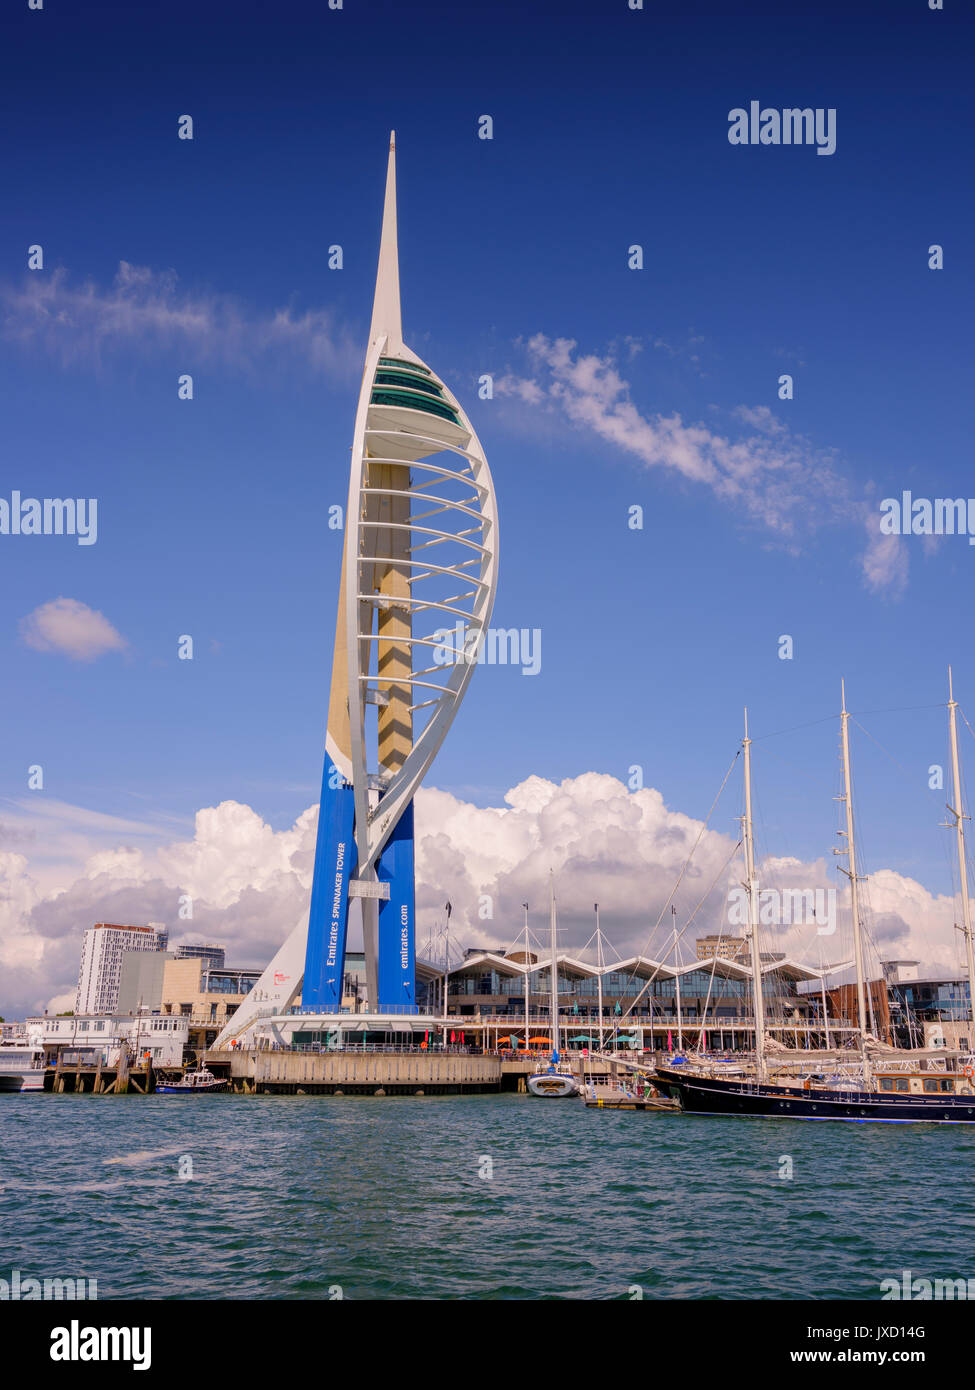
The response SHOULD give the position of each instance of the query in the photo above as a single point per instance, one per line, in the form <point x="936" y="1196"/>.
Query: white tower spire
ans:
<point x="387" y="320"/>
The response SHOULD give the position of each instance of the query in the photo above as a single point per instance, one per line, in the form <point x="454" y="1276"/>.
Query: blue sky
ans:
<point x="610" y="129"/>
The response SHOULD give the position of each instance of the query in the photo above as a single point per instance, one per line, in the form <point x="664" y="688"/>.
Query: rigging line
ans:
<point x="881" y="747"/>
<point x="898" y="709"/>
<point x="684" y="928"/>
<point x="967" y="725"/>
<point x="776" y="732"/>
<point x="707" y="1002"/>
<point x="686" y="864"/>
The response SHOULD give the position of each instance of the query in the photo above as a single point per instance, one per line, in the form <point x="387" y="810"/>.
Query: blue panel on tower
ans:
<point x="328" y="918"/>
<point x="397" y="956"/>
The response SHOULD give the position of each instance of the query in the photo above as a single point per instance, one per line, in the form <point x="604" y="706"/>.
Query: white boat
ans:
<point x="554" y="1080"/>
<point x="21" y="1066"/>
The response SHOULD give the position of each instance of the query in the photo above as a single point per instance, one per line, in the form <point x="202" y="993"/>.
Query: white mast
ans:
<point x="599" y="977"/>
<point x="680" y="1020"/>
<point x="752" y="888"/>
<point x="446" y="967"/>
<point x="851" y="873"/>
<point x="958" y="811"/>
<point x="528" y="981"/>
<point x="555" y="976"/>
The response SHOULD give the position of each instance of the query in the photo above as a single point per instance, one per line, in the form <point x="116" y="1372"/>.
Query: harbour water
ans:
<point x="476" y="1197"/>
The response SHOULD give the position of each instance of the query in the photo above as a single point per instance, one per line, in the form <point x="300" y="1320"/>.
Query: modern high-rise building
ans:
<point x="101" y="963"/>
<point x="419" y="574"/>
<point x="215" y="956"/>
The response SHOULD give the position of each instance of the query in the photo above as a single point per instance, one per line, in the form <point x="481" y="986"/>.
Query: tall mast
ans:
<point x="752" y="888"/>
<point x="599" y="977"/>
<point x="680" y="1019"/>
<point x="528" y="982"/>
<point x="446" y="968"/>
<point x="555" y="978"/>
<point x="851" y="873"/>
<point x="958" y="811"/>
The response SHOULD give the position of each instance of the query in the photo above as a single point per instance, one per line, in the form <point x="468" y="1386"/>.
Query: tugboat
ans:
<point x="555" y="1080"/>
<point x="901" y="1092"/>
<point x="193" y="1083"/>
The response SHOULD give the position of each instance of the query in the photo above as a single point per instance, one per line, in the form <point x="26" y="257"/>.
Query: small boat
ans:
<point x="555" y="1080"/>
<point x="551" y="1081"/>
<point x="193" y="1083"/>
<point x="21" y="1066"/>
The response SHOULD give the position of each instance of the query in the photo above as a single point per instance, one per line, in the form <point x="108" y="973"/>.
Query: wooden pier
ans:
<point x="100" y="1080"/>
<point x="621" y="1102"/>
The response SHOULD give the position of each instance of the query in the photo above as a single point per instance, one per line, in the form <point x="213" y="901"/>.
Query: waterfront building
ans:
<point x="93" y="1038"/>
<point x="933" y="1011"/>
<point x="643" y="999"/>
<point x="420" y="561"/>
<point x="647" y="1005"/>
<point x="206" y="996"/>
<point x="191" y="986"/>
<point x="100" y="972"/>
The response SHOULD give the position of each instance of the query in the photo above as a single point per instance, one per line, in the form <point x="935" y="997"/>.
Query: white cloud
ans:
<point x="144" y="309"/>
<point x="884" y="562"/>
<point x="772" y="476"/>
<point x="250" y="883"/>
<point x="68" y="626"/>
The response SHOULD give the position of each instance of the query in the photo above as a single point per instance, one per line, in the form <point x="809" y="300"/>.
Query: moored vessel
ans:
<point x="21" y="1066"/>
<point x="884" y="1089"/>
<point x="194" y="1083"/>
<point x="556" y="1080"/>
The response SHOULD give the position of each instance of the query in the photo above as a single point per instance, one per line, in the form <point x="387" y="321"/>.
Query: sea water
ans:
<point x="475" y="1197"/>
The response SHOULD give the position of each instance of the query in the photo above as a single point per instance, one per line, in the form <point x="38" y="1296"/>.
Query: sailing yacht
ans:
<point x="556" y="1079"/>
<point x="901" y="1092"/>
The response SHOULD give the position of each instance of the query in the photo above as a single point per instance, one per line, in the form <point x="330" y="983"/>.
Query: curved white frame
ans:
<point x="373" y="828"/>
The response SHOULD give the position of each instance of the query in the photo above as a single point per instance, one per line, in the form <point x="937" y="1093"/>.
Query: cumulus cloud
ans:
<point x="144" y="309"/>
<point x="68" y="626"/>
<point x="774" y="477"/>
<point x="250" y="883"/>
